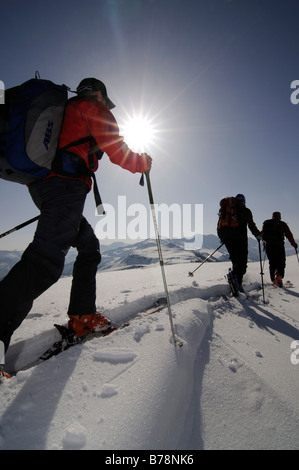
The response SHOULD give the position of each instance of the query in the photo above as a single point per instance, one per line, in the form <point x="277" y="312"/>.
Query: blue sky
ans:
<point x="213" y="75"/>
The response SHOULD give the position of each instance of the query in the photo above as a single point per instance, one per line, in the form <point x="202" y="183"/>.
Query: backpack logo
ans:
<point x="48" y="134"/>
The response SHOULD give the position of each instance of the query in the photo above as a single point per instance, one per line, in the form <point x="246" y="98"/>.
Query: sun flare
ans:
<point x="138" y="133"/>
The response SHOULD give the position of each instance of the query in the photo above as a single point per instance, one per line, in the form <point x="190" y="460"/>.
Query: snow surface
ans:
<point x="232" y="385"/>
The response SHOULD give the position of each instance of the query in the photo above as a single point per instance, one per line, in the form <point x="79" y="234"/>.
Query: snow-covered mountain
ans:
<point x="119" y="255"/>
<point x="232" y="385"/>
<point x="7" y="260"/>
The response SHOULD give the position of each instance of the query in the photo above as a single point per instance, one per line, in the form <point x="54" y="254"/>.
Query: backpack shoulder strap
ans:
<point x="99" y="154"/>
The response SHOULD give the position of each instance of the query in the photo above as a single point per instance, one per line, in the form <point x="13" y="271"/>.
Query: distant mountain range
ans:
<point x="120" y="256"/>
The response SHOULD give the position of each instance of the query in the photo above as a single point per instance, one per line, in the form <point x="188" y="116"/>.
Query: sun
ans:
<point x="138" y="133"/>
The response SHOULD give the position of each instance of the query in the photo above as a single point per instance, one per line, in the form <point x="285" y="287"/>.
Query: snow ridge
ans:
<point x="231" y="386"/>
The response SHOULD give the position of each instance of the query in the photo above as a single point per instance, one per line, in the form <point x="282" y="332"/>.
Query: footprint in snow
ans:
<point x="115" y="355"/>
<point x="75" y="437"/>
<point x="234" y="365"/>
<point x="108" y="390"/>
<point x="140" y="330"/>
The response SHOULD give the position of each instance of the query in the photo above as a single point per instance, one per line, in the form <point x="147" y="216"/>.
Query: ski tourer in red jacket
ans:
<point x="89" y="129"/>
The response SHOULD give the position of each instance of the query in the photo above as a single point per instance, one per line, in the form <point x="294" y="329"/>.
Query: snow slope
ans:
<point x="233" y="384"/>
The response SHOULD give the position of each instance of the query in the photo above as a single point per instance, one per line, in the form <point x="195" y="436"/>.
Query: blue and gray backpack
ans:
<point x="30" y="123"/>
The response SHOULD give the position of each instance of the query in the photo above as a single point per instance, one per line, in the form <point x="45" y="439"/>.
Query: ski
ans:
<point x="68" y="339"/>
<point x="232" y="283"/>
<point x="241" y="296"/>
<point x="288" y="284"/>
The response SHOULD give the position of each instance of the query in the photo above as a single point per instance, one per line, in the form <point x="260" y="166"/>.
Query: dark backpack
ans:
<point x="228" y="214"/>
<point x="30" y="123"/>
<point x="273" y="231"/>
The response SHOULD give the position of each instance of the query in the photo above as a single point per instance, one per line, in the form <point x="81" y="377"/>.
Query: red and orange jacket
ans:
<point x="86" y="117"/>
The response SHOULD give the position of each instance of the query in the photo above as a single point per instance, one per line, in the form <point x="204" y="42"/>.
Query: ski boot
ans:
<point x="87" y="324"/>
<point x="278" y="280"/>
<point x="4" y="375"/>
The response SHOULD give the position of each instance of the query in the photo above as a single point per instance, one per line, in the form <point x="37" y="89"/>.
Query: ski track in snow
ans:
<point x="231" y="386"/>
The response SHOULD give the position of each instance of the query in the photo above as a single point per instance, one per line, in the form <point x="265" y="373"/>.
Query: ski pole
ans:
<point x="264" y="256"/>
<point x="208" y="257"/>
<point x="151" y="199"/>
<point x="18" y="227"/>
<point x="262" y="273"/>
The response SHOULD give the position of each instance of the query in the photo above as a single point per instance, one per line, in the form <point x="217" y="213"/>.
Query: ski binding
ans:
<point x="68" y="339"/>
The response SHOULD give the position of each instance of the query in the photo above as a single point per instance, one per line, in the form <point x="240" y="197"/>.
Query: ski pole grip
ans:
<point x="149" y="187"/>
<point x="141" y="182"/>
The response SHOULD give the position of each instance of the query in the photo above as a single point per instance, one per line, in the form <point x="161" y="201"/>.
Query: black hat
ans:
<point x="93" y="84"/>
<point x="241" y="198"/>
<point x="276" y="215"/>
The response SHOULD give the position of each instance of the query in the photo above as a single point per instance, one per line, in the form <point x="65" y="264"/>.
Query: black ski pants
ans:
<point x="60" y="226"/>
<point x="277" y="259"/>
<point x="238" y="254"/>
